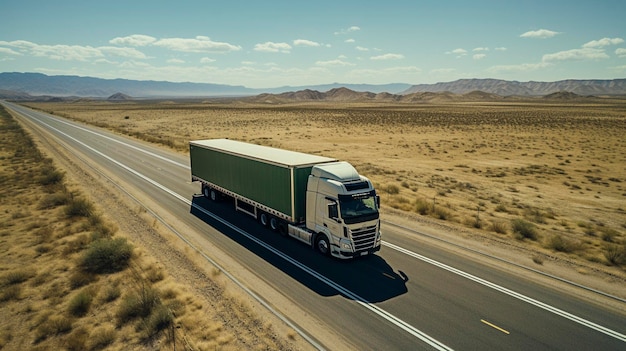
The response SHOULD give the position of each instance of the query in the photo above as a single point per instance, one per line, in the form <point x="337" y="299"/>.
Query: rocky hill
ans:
<point x="509" y="88"/>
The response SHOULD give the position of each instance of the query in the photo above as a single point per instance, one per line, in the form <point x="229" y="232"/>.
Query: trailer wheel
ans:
<point x="264" y="219"/>
<point x="205" y="191"/>
<point x="214" y="195"/>
<point x="322" y="244"/>
<point x="274" y="223"/>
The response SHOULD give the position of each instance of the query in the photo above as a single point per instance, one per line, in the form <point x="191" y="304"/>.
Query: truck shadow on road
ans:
<point x="368" y="279"/>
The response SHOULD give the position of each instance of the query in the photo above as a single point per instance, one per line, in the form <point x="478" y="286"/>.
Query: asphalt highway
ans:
<point x="412" y="295"/>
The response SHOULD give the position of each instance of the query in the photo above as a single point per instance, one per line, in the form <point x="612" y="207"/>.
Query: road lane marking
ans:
<point x="495" y="327"/>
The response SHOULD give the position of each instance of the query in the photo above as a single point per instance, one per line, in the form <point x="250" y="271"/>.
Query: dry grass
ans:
<point x="69" y="281"/>
<point x="487" y="166"/>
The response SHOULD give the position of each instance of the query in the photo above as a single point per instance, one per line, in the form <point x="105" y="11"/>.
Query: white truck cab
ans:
<point x="342" y="211"/>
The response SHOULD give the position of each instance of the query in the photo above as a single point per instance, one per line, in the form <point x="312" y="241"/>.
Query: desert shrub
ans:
<point x="100" y="338"/>
<point x="53" y="325"/>
<point x="81" y="278"/>
<point x="77" y="340"/>
<point x="16" y="276"/>
<point x="160" y="318"/>
<point x="499" y="227"/>
<point x="99" y="228"/>
<point x="441" y="213"/>
<point x="561" y="244"/>
<point x="79" y="207"/>
<point x="608" y="234"/>
<point x="111" y="293"/>
<point x="53" y="200"/>
<point x="501" y="208"/>
<point x="137" y="305"/>
<point x="50" y="176"/>
<point x="615" y="254"/>
<point x="392" y="189"/>
<point x="106" y="256"/>
<point x="535" y="215"/>
<point x="11" y="292"/>
<point x="422" y="206"/>
<point x="523" y="229"/>
<point x="80" y="303"/>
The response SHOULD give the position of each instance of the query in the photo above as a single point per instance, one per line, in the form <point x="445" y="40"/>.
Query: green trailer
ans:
<point x="258" y="177"/>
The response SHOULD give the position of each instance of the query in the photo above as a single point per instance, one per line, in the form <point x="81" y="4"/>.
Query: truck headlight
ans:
<point x="345" y="245"/>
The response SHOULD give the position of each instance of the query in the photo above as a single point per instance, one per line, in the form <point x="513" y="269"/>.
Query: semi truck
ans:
<point x="320" y="201"/>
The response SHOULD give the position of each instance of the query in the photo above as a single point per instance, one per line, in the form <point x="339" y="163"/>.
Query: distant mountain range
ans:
<point x="508" y="88"/>
<point x="30" y="85"/>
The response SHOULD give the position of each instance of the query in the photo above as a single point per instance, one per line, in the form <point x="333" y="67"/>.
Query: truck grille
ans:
<point x="364" y="238"/>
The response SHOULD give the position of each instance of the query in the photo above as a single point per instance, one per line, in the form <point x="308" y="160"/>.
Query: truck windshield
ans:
<point x="358" y="207"/>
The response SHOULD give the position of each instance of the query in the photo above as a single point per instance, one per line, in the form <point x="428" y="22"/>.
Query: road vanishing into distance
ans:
<point x="412" y="295"/>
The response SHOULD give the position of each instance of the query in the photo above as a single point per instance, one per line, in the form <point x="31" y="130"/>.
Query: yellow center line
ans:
<point x="495" y="327"/>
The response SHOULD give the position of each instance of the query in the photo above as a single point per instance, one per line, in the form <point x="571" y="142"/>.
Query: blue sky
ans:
<point x="262" y="44"/>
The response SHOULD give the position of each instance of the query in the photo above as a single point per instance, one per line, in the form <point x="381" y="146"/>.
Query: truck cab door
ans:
<point x="331" y="219"/>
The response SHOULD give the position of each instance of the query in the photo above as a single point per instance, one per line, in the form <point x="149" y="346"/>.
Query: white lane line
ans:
<point x="511" y="293"/>
<point x="363" y="302"/>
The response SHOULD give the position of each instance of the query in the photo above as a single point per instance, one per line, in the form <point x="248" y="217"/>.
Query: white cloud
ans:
<point x="387" y="57"/>
<point x="501" y="49"/>
<point x="304" y="42"/>
<point x="541" y="34"/>
<point x="480" y="49"/>
<point x="360" y="48"/>
<point x="197" y="44"/>
<point x="348" y="30"/>
<point x="123" y="52"/>
<point x="175" y="61"/>
<point x="349" y="41"/>
<point x="621" y="52"/>
<point x="206" y="60"/>
<point x="9" y="51"/>
<point x="458" y="52"/>
<point x="333" y="63"/>
<point x="576" y="54"/>
<point x="133" y="40"/>
<point x="479" y="56"/>
<point x="67" y="52"/>
<point x="603" y="42"/>
<point x="273" y="47"/>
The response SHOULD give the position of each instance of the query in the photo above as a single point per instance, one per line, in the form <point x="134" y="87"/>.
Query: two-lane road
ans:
<point x="411" y="296"/>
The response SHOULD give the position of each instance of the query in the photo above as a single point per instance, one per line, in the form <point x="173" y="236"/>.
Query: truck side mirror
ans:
<point x="333" y="211"/>
<point x="378" y="201"/>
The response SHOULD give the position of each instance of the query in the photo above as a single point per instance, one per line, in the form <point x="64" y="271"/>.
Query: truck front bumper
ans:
<point x="349" y="254"/>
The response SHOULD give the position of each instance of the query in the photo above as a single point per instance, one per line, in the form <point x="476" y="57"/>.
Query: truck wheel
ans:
<point x="322" y="245"/>
<point x="274" y="223"/>
<point x="214" y="195"/>
<point x="205" y="191"/>
<point x="264" y="219"/>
